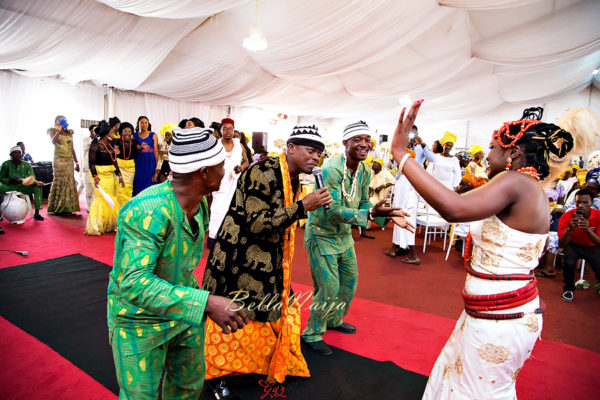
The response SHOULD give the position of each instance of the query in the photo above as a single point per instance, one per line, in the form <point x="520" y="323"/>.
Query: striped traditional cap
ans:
<point x="192" y="149"/>
<point x="307" y="136"/>
<point x="355" y="129"/>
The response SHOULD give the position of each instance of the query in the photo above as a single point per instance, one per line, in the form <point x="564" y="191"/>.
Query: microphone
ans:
<point x="318" y="173"/>
<point x="22" y="253"/>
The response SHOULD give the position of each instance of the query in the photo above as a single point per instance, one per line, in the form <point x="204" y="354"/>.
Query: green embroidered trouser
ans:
<point x="335" y="278"/>
<point x="182" y="359"/>
<point x="32" y="189"/>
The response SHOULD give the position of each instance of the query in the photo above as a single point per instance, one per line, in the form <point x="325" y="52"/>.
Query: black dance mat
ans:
<point x="62" y="302"/>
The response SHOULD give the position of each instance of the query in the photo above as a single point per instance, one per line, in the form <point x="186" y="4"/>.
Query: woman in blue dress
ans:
<point x="146" y="159"/>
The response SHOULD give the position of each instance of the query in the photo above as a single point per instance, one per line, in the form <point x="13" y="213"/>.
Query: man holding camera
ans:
<point x="578" y="236"/>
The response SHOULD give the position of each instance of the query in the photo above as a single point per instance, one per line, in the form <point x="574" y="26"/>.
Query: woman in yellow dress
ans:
<point x="63" y="198"/>
<point x="476" y="167"/>
<point x="106" y="176"/>
<point x="126" y="149"/>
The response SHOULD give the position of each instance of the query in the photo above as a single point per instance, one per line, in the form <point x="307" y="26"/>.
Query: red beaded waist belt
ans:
<point x="476" y="304"/>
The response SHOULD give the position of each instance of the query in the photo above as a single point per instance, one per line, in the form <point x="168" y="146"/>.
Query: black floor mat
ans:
<point x="62" y="302"/>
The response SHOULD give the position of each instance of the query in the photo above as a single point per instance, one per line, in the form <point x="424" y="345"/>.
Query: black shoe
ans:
<point x="1" y="231"/>
<point x="366" y="236"/>
<point x="38" y="217"/>
<point x="220" y="391"/>
<point x="320" y="347"/>
<point x="344" y="328"/>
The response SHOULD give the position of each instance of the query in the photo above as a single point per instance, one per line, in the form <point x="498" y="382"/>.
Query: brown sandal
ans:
<point x="391" y="253"/>
<point x="409" y="260"/>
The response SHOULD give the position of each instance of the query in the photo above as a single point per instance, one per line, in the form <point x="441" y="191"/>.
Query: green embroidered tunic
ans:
<point x="152" y="292"/>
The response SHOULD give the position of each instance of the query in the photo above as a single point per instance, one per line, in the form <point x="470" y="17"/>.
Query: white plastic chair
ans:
<point x="434" y="224"/>
<point x="455" y="231"/>
<point x="582" y="266"/>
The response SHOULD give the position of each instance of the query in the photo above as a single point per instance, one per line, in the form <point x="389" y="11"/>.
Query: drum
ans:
<point x="14" y="208"/>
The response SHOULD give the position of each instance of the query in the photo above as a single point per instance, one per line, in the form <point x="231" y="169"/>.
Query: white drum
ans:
<point x="14" y="208"/>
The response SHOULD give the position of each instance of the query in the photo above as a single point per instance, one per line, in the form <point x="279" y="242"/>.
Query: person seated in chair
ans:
<point x="17" y="175"/>
<point x="578" y="232"/>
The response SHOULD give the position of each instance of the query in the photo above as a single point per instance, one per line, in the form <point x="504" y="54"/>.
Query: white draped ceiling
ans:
<point x="326" y="59"/>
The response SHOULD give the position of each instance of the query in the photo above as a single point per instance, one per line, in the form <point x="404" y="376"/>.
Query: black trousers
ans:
<point x="574" y="252"/>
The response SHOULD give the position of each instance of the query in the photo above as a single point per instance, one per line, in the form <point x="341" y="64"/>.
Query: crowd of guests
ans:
<point x="154" y="190"/>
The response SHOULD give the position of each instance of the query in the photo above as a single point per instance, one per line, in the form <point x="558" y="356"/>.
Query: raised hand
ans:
<point x="401" y="134"/>
<point x="316" y="199"/>
<point x="225" y="314"/>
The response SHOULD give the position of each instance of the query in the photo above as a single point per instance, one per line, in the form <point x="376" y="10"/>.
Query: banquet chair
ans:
<point x="457" y="230"/>
<point x="434" y="224"/>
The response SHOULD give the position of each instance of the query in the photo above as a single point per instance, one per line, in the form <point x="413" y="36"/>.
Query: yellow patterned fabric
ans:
<point x="102" y="218"/>
<point x="127" y="168"/>
<point x="266" y="348"/>
<point x="482" y="358"/>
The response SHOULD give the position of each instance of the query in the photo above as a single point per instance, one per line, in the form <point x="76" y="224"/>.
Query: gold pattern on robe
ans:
<point x="493" y="354"/>
<point x="532" y="324"/>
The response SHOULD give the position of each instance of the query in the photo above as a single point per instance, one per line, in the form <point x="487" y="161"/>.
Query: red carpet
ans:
<point x="388" y="329"/>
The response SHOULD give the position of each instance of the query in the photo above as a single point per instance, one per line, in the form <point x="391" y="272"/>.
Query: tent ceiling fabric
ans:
<point x="337" y="58"/>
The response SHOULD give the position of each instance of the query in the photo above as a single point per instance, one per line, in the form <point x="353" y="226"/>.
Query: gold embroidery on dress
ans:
<point x="458" y="366"/>
<point x="493" y="354"/>
<point x="514" y="375"/>
<point x="446" y="372"/>
<point x="245" y="282"/>
<point x="258" y="180"/>
<point x="218" y="257"/>
<point x="527" y="253"/>
<point x="532" y="324"/>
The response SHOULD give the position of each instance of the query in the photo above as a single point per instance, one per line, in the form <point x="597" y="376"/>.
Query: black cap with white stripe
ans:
<point x="307" y="136"/>
<point x="192" y="149"/>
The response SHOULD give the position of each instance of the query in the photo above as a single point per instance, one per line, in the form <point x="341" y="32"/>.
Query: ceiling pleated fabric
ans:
<point x="328" y="59"/>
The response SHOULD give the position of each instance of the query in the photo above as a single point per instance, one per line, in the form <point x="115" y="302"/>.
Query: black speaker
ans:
<point x="44" y="173"/>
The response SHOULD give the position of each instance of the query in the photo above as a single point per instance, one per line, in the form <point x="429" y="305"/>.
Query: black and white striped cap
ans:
<point x="192" y="149"/>
<point x="307" y="136"/>
<point x="355" y="129"/>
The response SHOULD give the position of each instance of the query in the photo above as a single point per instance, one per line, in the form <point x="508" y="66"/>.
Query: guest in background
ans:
<point x="446" y="168"/>
<point x="63" y="197"/>
<point x="106" y="175"/>
<point x="244" y="142"/>
<point x="166" y="132"/>
<point x="592" y="183"/>
<point x="86" y="183"/>
<point x="126" y="148"/>
<point x="464" y="158"/>
<point x="382" y="183"/>
<point x="235" y="163"/>
<point x="406" y="199"/>
<point x="146" y="159"/>
<point x="477" y="167"/>
<point x="194" y="122"/>
<point x="422" y="151"/>
<point x="216" y="127"/>
<point x="26" y="156"/>
<point x="578" y="231"/>
<point x="17" y="175"/>
<point x="114" y="124"/>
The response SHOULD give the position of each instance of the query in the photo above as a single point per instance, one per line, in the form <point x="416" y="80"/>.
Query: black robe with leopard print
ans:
<point x="248" y="251"/>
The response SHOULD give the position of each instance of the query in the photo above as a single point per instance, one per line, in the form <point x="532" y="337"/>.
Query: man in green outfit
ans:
<point x="14" y="173"/>
<point x="328" y="237"/>
<point x="156" y="311"/>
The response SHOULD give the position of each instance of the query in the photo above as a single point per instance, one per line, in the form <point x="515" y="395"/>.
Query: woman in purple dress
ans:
<point x="146" y="159"/>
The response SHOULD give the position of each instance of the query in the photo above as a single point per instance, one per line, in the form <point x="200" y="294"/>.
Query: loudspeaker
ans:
<point x="44" y="173"/>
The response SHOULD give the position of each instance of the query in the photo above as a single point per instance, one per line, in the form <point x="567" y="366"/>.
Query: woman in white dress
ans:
<point x="502" y="319"/>
<point x="445" y="167"/>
